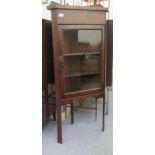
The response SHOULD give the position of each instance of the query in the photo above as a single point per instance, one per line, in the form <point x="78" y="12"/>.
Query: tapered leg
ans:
<point x="72" y="113"/>
<point x="59" y="123"/>
<point x="103" y="112"/>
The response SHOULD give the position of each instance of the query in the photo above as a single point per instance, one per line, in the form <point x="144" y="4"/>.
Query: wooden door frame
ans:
<point x="103" y="53"/>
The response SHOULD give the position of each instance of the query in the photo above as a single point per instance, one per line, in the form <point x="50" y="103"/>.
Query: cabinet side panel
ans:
<point x="109" y="53"/>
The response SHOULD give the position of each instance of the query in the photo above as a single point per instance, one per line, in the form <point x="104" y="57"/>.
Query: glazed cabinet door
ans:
<point x="81" y="58"/>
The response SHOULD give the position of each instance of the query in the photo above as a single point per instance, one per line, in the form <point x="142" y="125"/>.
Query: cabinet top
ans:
<point x="54" y="5"/>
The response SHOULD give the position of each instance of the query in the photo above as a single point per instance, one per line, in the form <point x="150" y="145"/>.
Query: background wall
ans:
<point x="46" y="14"/>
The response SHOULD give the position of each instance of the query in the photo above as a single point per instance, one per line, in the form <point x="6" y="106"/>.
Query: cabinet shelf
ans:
<point x="91" y="85"/>
<point x="72" y="74"/>
<point x="86" y="87"/>
<point x="82" y="53"/>
<point x="79" y="83"/>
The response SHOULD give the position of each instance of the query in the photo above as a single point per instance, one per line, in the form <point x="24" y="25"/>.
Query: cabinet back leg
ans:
<point x="95" y="109"/>
<point x="107" y="101"/>
<point x="103" y="119"/>
<point x="72" y="113"/>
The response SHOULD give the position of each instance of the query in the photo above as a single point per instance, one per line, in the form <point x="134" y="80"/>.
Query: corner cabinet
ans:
<point x="79" y="46"/>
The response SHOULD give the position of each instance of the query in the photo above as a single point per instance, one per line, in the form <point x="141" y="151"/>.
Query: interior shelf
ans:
<point x="91" y="85"/>
<point x="82" y="53"/>
<point x="72" y="74"/>
<point x="80" y="83"/>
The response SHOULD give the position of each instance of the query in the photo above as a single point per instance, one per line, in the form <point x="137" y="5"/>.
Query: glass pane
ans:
<point x="82" y="50"/>
<point x="75" y="41"/>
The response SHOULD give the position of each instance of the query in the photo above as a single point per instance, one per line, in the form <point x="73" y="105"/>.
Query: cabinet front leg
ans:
<point x="59" y="123"/>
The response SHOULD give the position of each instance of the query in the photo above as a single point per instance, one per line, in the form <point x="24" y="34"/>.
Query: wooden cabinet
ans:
<point x="79" y="49"/>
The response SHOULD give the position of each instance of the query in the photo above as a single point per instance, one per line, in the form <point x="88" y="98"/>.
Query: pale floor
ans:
<point x="84" y="137"/>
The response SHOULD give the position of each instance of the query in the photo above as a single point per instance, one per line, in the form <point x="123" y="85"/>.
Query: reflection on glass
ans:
<point x="75" y="41"/>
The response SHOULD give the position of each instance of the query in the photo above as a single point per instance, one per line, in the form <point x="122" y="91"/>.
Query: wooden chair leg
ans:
<point x="72" y="113"/>
<point x="59" y="123"/>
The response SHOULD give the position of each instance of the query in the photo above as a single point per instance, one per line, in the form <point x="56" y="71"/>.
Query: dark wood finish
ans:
<point x="47" y="69"/>
<point x="69" y="100"/>
<point x="66" y="44"/>
<point x="56" y="53"/>
<point x="81" y="17"/>
<point x="109" y="53"/>
<point x="109" y="68"/>
<point x="45" y="109"/>
<point x="47" y="55"/>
